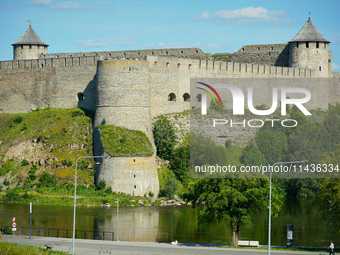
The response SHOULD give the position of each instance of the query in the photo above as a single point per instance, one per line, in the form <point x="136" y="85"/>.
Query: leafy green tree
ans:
<point x="272" y="144"/>
<point x="252" y="156"/>
<point x="171" y="185"/>
<point x="181" y="160"/>
<point x="164" y="137"/>
<point x="330" y="193"/>
<point x="232" y="200"/>
<point x="47" y="180"/>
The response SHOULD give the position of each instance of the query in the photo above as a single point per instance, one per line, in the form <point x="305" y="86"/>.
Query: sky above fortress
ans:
<point x="213" y="26"/>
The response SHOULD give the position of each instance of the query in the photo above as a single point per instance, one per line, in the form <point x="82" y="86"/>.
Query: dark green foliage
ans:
<point x="164" y="137"/>
<point x="18" y="119"/>
<point x="108" y="190"/>
<point x="232" y="200"/>
<point x="180" y="161"/>
<point x="31" y="175"/>
<point x="151" y="194"/>
<point x="46" y="180"/>
<point x="272" y="144"/>
<point x="6" y="182"/>
<point x="228" y="143"/>
<point x="67" y="162"/>
<point x="101" y="185"/>
<point x="12" y="195"/>
<point x="252" y="156"/>
<point x="24" y="162"/>
<point x="77" y="113"/>
<point x="171" y="185"/>
<point x="7" y="167"/>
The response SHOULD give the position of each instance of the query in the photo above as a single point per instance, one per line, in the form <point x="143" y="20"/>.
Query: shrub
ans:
<point x="101" y="185"/>
<point x="164" y="136"/>
<point x="47" y="180"/>
<point x="11" y="195"/>
<point x="18" y="119"/>
<point x="6" y="182"/>
<point x="24" y="163"/>
<point x="151" y="194"/>
<point x="108" y="190"/>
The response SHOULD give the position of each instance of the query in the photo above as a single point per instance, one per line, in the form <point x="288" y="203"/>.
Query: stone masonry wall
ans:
<point x="266" y="54"/>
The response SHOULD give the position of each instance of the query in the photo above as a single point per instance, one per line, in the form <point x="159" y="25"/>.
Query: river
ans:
<point x="166" y="224"/>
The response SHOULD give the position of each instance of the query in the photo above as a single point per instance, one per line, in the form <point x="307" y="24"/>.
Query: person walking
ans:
<point x="331" y="248"/>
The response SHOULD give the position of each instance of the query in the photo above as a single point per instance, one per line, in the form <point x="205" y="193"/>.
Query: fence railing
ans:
<point x="55" y="232"/>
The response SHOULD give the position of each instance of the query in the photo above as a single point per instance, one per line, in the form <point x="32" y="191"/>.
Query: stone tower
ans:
<point x="29" y="46"/>
<point x="309" y="50"/>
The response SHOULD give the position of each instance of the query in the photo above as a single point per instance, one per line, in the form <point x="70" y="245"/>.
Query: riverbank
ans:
<point x="92" y="247"/>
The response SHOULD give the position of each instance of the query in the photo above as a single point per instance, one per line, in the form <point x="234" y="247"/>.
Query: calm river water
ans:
<point x="166" y="224"/>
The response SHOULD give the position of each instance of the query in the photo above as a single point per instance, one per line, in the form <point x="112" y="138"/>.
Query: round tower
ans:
<point x="309" y="50"/>
<point x="29" y="46"/>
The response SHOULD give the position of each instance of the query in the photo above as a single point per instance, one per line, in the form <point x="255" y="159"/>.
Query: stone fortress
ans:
<point x="129" y="93"/>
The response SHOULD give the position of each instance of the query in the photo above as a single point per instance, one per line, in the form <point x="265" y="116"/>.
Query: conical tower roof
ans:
<point x="30" y="37"/>
<point x="309" y="33"/>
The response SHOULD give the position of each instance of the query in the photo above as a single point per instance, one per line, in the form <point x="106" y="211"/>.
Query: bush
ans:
<point x="151" y="194"/>
<point x="66" y="162"/>
<point x="101" y="185"/>
<point x="24" y="163"/>
<point x="6" y="182"/>
<point x="108" y="190"/>
<point x="47" y="180"/>
<point x="11" y="195"/>
<point x="18" y="119"/>
<point x="164" y="136"/>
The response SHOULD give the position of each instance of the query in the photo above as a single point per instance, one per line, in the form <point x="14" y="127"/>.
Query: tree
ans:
<point x="164" y="137"/>
<point x="232" y="200"/>
<point x="181" y="160"/>
<point x="272" y="144"/>
<point x="252" y="156"/>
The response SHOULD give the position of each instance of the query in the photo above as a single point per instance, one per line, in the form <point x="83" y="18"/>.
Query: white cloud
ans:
<point x="335" y="67"/>
<point x="137" y="3"/>
<point x="205" y="15"/>
<point x="106" y="42"/>
<point x="247" y="15"/>
<point x="68" y="6"/>
<point x="40" y="2"/>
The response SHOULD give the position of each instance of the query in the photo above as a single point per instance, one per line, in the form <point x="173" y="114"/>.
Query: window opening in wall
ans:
<point x="30" y="46"/>
<point x="307" y="44"/>
<point x="189" y="66"/>
<point x="138" y="53"/>
<point x="272" y="48"/>
<point x="242" y="49"/>
<point x="199" y="98"/>
<point x="22" y="46"/>
<point x="38" y="46"/>
<point x="186" y="97"/>
<point x="269" y="53"/>
<point x="319" y="68"/>
<point x="167" y="53"/>
<point x="124" y="54"/>
<point x="178" y="65"/>
<point x="134" y="186"/>
<point x="80" y="96"/>
<point x="152" y="53"/>
<point x="258" y="48"/>
<point x="42" y="65"/>
<point x="172" y="97"/>
<point x="317" y="44"/>
<point x="199" y="65"/>
<point x="297" y="44"/>
<point x="134" y="160"/>
<point x="325" y="45"/>
<point x="167" y="64"/>
<point x="196" y="51"/>
<point x="181" y="52"/>
<point x="70" y="55"/>
<point x="134" y="176"/>
<point x="155" y="63"/>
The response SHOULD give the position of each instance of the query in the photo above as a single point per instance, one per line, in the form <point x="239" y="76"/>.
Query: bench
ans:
<point x="249" y="243"/>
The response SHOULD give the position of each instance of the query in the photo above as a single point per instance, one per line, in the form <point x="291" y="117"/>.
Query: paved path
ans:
<point x="94" y="247"/>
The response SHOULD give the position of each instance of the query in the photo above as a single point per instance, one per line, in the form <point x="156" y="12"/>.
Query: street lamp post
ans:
<point x="270" y="195"/>
<point x="75" y="198"/>
<point x="117" y="202"/>
<point x="330" y="221"/>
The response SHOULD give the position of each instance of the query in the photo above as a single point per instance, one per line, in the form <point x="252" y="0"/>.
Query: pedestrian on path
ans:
<point x="331" y="248"/>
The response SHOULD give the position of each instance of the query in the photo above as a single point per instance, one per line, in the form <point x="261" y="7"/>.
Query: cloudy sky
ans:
<point x="214" y="26"/>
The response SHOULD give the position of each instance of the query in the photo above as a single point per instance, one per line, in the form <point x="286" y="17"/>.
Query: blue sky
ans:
<point x="214" y="26"/>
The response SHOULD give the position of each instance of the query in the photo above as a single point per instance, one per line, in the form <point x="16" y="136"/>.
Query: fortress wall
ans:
<point x="194" y="53"/>
<point x="266" y="54"/>
<point x="26" y="85"/>
<point x="172" y="76"/>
